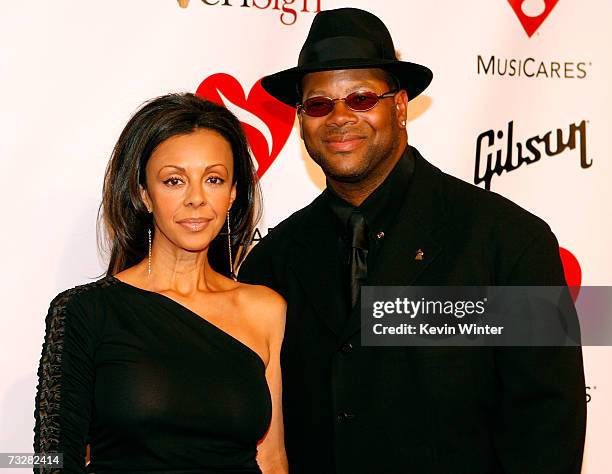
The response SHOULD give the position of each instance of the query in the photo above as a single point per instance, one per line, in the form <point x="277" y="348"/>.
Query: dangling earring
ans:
<point x="150" y="212"/>
<point x="149" y="232"/>
<point x="229" y="247"/>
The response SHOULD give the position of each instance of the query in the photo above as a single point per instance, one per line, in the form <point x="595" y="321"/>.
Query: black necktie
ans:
<point x="358" y="258"/>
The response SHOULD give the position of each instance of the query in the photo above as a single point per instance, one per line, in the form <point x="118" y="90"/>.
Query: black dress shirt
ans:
<point x="380" y="211"/>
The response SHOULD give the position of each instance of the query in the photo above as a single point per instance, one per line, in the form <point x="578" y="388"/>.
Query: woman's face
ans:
<point x="189" y="188"/>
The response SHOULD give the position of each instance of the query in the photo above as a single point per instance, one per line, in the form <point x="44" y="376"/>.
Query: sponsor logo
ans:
<point x="267" y="122"/>
<point x="589" y="394"/>
<point x="572" y="271"/>
<point x="288" y="9"/>
<point x="532" y="13"/>
<point x="257" y="234"/>
<point x="531" y="68"/>
<point x="499" y="152"/>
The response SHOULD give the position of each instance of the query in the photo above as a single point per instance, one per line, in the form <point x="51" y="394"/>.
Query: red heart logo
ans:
<point x="267" y="122"/>
<point x="572" y="270"/>
<point x="532" y="13"/>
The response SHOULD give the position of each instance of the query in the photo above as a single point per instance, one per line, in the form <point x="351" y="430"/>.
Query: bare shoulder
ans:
<point x="263" y="305"/>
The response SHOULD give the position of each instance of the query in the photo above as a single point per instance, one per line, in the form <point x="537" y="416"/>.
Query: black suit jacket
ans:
<point x="351" y="409"/>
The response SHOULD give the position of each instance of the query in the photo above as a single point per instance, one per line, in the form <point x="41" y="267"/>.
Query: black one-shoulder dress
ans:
<point x="150" y="385"/>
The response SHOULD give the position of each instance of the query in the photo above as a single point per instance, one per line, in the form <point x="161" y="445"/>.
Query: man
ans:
<point x="388" y="217"/>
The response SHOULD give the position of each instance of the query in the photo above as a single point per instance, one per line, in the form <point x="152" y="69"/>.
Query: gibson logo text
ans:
<point x="494" y="156"/>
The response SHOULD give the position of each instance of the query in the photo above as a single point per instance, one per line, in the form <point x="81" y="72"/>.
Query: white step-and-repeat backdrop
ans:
<point x="507" y="74"/>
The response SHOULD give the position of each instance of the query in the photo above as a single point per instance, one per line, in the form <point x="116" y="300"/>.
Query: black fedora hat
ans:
<point x="346" y="38"/>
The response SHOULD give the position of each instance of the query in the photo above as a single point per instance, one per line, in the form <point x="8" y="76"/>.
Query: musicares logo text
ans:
<point x="288" y="14"/>
<point x="531" y="14"/>
<point x="531" y="68"/>
<point x="494" y="156"/>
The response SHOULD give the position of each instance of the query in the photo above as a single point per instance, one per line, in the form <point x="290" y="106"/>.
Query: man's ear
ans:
<point x="145" y="198"/>
<point x="300" y="120"/>
<point x="401" y="107"/>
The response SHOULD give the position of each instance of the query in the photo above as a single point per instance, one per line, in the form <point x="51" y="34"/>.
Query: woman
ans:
<point x="167" y="364"/>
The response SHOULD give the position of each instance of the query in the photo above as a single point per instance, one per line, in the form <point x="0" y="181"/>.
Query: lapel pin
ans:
<point x="419" y="255"/>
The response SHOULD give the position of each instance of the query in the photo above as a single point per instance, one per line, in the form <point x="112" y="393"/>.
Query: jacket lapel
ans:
<point x="412" y="244"/>
<point x="314" y="263"/>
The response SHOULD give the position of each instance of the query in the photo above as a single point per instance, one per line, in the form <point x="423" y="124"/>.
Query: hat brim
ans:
<point x="283" y="85"/>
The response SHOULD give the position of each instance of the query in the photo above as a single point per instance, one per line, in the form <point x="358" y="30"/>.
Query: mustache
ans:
<point x="343" y="134"/>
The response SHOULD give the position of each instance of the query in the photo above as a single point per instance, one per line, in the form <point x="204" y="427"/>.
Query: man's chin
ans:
<point x="345" y="176"/>
<point x="341" y="167"/>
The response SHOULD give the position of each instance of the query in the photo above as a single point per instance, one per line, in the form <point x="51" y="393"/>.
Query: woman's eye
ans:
<point x="215" y="180"/>
<point x="173" y="181"/>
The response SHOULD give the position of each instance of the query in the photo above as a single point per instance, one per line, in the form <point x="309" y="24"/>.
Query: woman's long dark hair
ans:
<point x="122" y="212"/>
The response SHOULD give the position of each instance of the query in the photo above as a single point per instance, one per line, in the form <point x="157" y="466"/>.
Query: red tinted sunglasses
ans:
<point x="359" y="101"/>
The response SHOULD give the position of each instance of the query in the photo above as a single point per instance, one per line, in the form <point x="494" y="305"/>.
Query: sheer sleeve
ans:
<point x="66" y="376"/>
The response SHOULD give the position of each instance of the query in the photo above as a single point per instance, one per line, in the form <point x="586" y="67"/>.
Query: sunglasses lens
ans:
<point x="318" y="106"/>
<point x="361" y="101"/>
<point x="358" y="101"/>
